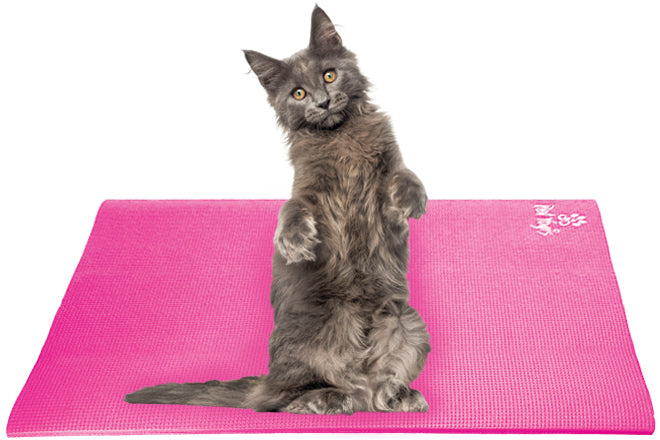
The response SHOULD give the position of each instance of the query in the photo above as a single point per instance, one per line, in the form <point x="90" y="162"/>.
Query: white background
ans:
<point x="152" y="99"/>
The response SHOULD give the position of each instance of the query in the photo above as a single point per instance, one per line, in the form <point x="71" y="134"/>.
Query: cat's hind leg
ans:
<point x="400" y="345"/>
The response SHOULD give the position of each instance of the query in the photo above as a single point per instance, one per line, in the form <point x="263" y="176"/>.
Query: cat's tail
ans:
<point x="230" y="394"/>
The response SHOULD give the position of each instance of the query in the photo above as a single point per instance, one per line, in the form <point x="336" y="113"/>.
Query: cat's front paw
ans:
<point x="407" y="195"/>
<point x="296" y="239"/>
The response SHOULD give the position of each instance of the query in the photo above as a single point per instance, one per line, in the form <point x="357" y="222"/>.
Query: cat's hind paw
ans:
<point x="405" y="399"/>
<point x="322" y="401"/>
<point x="409" y="401"/>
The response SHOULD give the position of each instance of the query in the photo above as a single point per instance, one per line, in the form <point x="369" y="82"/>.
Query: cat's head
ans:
<point x="319" y="87"/>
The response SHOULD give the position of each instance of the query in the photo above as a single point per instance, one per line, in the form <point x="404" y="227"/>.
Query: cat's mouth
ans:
<point x="330" y="117"/>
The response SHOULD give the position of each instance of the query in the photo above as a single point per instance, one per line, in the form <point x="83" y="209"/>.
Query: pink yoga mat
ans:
<point x="528" y="330"/>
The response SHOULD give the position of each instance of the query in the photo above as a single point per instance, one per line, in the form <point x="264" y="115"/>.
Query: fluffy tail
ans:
<point x="231" y="394"/>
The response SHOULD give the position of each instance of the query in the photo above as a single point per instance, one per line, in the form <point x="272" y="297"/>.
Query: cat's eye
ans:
<point x="299" y="94"/>
<point x="330" y="76"/>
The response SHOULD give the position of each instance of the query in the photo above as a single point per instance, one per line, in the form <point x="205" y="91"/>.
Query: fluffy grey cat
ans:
<point x="345" y="337"/>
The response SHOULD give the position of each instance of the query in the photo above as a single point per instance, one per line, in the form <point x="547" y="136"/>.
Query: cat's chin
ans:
<point x="331" y="121"/>
<point x="327" y="121"/>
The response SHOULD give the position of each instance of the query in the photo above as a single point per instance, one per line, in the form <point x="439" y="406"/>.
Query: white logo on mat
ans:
<point x="548" y="223"/>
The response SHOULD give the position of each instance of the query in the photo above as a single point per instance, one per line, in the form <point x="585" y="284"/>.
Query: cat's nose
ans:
<point x="324" y="104"/>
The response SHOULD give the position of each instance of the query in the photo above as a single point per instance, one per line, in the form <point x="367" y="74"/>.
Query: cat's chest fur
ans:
<point x="342" y="177"/>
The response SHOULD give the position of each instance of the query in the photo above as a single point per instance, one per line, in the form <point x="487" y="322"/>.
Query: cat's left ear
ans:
<point x="324" y="37"/>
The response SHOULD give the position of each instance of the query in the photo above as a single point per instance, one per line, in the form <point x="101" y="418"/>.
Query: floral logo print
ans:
<point x="548" y="223"/>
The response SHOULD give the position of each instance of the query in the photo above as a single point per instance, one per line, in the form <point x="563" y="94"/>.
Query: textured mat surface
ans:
<point x="528" y="328"/>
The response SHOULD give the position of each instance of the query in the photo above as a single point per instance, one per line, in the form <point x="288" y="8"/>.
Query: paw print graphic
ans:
<point x="573" y="220"/>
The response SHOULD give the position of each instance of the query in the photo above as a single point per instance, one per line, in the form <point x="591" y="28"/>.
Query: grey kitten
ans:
<point x="345" y="337"/>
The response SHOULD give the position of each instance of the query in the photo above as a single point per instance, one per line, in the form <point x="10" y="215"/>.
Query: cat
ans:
<point x="345" y="337"/>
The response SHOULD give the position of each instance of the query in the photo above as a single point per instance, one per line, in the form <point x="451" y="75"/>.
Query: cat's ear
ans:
<point x="268" y="69"/>
<point x="324" y="37"/>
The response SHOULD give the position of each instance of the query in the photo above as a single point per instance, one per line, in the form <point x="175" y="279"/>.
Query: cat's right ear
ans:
<point x="268" y="69"/>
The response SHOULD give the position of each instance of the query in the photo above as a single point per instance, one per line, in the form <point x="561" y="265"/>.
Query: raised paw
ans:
<point x="322" y="401"/>
<point x="296" y="238"/>
<point x="408" y="195"/>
